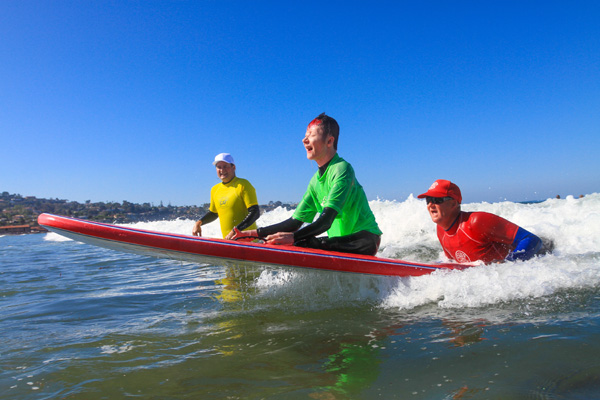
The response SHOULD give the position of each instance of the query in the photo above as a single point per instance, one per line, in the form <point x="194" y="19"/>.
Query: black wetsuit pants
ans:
<point x="362" y="242"/>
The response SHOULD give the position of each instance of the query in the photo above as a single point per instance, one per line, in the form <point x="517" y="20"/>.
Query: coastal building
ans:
<point x="20" y="229"/>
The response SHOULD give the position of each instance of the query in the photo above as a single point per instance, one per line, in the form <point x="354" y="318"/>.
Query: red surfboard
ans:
<point x="228" y="252"/>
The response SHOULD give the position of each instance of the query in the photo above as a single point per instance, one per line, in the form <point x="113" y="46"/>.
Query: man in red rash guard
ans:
<point x="475" y="236"/>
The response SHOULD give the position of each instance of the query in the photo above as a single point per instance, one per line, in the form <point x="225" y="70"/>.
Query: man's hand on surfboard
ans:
<point x="197" y="231"/>
<point x="281" y="238"/>
<point x="235" y="232"/>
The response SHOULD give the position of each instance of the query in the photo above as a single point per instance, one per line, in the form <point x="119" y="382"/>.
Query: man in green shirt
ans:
<point x="335" y="194"/>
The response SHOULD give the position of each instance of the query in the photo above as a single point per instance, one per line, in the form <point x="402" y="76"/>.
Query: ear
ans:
<point x="329" y="141"/>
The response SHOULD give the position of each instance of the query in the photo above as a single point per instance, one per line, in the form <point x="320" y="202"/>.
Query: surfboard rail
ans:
<point x="228" y="252"/>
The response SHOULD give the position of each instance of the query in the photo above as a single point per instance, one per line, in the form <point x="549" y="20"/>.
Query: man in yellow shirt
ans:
<point x="233" y="201"/>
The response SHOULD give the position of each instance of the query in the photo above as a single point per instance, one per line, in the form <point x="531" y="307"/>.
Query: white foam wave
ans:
<point x="55" y="237"/>
<point x="478" y="286"/>
<point x="497" y="283"/>
<point x="323" y="289"/>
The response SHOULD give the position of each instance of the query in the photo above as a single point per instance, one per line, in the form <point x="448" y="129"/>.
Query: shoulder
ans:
<point x="339" y="166"/>
<point x="339" y="162"/>
<point x="491" y="226"/>
<point x="482" y="218"/>
<point x="478" y="220"/>
<point x="244" y="182"/>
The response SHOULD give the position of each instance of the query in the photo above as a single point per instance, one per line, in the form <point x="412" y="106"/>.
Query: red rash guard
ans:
<point x="478" y="236"/>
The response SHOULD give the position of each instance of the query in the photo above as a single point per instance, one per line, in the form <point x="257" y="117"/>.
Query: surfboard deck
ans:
<point x="228" y="252"/>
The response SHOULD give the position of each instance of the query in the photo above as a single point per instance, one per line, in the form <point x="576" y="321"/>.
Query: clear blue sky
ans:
<point x="131" y="100"/>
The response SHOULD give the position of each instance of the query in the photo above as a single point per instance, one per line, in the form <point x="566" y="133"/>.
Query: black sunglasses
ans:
<point x="436" y="200"/>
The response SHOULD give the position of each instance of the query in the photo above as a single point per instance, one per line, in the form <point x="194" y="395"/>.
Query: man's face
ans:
<point x="316" y="144"/>
<point x="225" y="171"/>
<point x="443" y="213"/>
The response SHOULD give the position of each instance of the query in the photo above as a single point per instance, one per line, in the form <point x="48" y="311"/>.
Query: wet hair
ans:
<point x="329" y="125"/>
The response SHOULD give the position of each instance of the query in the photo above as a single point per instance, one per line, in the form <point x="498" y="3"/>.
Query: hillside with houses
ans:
<point x="18" y="214"/>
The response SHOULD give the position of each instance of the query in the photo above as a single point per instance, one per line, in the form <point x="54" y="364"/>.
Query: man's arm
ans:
<point x="287" y="231"/>
<point x="498" y="229"/>
<point x="253" y="214"/>
<point x="206" y="218"/>
<point x="322" y="224"/>
<point x="527" y="245"/>
<point x="289" y="225"/>
<point x="283" y="229"/>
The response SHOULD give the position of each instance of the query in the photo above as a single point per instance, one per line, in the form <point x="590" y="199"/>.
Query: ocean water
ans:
<point x="81" y="322"/>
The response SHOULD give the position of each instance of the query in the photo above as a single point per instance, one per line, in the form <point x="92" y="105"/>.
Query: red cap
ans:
<point x="443" y="188"/>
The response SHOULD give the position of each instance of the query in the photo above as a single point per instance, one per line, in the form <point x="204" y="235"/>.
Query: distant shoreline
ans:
<point x="18" y="214"/>
<point x="21" y="229"/>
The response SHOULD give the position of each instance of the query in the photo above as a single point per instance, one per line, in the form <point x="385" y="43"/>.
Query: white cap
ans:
<point x="223" y="157"/>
